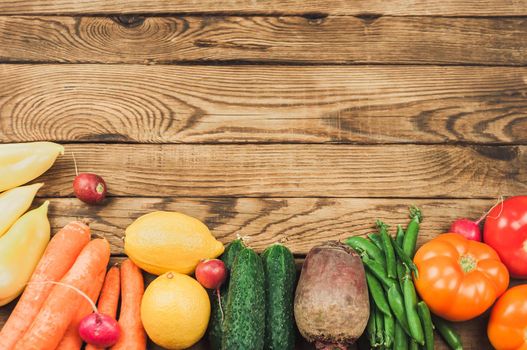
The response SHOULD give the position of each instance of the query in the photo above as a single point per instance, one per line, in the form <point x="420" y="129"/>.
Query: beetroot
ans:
<point x="331" y="302"/>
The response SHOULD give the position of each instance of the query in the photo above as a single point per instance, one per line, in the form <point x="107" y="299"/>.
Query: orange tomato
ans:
<point x="507" y="328"/>
<point x="459" y="279"/>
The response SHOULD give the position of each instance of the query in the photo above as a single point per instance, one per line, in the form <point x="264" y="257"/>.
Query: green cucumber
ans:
<point x="280" y="279"/>
<point x="215" y="324"/>
<point x="244" y="324"/>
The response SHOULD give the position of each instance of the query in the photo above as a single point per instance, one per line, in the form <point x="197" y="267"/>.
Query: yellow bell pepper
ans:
<point x="14" y="203"/>
<point x="20" y="250"/>
<point x="23" y="162"/>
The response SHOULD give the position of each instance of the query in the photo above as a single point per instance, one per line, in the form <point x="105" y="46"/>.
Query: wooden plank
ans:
<point x="298" y="222"/>
<point x="296" y="170"/>
<point x="210" y="104"/>
<point x="335" y="39"/>
<point x="341" y="7"/>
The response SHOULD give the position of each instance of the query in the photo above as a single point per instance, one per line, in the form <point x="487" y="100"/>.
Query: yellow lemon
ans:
<point x="175" y="311"/>
<point x="165" y="241"/>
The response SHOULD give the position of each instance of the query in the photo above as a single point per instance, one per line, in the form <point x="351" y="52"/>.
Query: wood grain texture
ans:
<point x="300" y="223"/>
<point x="296" y="170"/>
<point x="335" y="39"/>
<point x="210" y="104"/>
<point x="341" y="7"/>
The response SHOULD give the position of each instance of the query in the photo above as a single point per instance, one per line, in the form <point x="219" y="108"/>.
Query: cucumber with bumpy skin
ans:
<point x="216" y="322"/>
<point x="280" y="279"/>
<point x="244" y="324"/>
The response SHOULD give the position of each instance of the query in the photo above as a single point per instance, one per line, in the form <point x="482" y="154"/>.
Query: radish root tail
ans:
<point x="219" y="303"/>
<point x="499" y="201"/>
<point x="84" y="295"/>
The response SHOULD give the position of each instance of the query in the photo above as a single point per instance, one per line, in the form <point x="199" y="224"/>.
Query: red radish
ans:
<point x="96" y="328"/>
<point x="470" y="229"/>
<point x="211" y="273"/>
<point x="88" y="187"/>
<point x="99" y="330"/>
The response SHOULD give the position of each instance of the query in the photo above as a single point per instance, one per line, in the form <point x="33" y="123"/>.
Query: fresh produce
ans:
<point x="61" y="305"/>
<point x="175" y="311"/>
<point x="133" y="335"/>
<point x="244" y="324"/>
<point x="77" y="330"/>
<point x="508" y="320"/>
<point x="211" y="273"/>
<point x="168" y="241"/>
<point x="217" y="314"/>
<point x="20" y="250"/>
<point x="23" y="162"/>
<point x="410" y="304"/>
<point x="107" y="305"/>
<point x="467" y="228"/>
<point x="14" y="203"/>
<point x="411" y="232"/>
<point x="99" y="330"/>
<point x="89" y="188"/>
<point x="400" y="340"/>
<point x="428" y="326"/>
<point x="331" y="302"/>
<point x="59" y="256"/>
<point x="377" y="294"/>
<point x="506" y="231"/>
<point x="387" y="247"/>
<point x="362" y="245"/>
<point x="280" y="281"/>
<point x="458" y="278"/>
<point x="448" y="334"/>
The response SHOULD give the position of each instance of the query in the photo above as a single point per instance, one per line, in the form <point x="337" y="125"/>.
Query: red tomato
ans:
<point x="506" y="232"/>
<point x="507" y="328"/>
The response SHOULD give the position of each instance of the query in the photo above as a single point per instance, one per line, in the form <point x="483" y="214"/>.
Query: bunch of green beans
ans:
<point x="398" y="320"/>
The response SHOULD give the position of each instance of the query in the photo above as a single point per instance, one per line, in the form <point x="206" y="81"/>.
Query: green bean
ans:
<point x="400" y="235"/>
<point x="388" y="249"/>
<point x="401" y="272"/>
<point x="362" y="245"/>
<point x="428" y="327"/>
<point x="413" y="345"/>
<point x="378" y="271"/>
<point x="376" y="239"/>
<point x="389" y="330"/>
<point x="410" y="303"/>
<point x="448" y="333"/>
<point x="379" y="324"/>
<point x="395" y="299"/>
<point x="400" y="341"/>
<point x="404" y="258"/>
<point x="371" y="327"/>
<point x="377" y="293"/>
<point x="412" y="231"/>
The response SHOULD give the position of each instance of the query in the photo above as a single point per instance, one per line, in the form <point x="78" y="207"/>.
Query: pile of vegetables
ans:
<point x="398" y="319"/>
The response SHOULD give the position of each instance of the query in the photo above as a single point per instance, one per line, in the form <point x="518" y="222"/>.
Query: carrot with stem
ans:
<point x="58" y="258"/>
<point x="60" y="307"/>
<point x="72" y="339"/>
<point x="109" y="299"/>
<point x="133" y="336"/>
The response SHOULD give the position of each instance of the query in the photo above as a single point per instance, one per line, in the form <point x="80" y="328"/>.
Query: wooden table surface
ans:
<point x="302" y="120"/>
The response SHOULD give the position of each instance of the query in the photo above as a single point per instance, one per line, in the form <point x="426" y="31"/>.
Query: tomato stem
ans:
<point x="467" y="263"/>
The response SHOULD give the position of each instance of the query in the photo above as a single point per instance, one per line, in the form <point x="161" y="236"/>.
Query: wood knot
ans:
<point x="315" y="17"/>
<point x="368" y="17"/>
<point x="129" y="21"/>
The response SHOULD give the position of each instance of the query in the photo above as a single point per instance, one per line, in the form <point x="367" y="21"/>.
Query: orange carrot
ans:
<point x="72" y="339"/>
<point x="133" y="336"/>
<point x="109" y="299"/>
<point x="58" y="258"/>
<point x="60" y="307"/>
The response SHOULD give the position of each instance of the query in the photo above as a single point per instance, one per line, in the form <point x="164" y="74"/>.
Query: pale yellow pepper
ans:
<point x="14" y="203"/>
<point x="20" y="250"/>
<point x="23" y="162"/>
